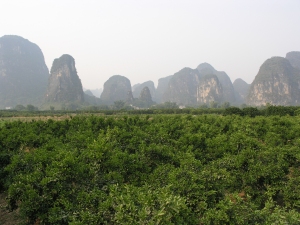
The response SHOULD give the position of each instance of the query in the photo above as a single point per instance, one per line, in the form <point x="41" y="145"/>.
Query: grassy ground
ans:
<point x="6" y="217"/>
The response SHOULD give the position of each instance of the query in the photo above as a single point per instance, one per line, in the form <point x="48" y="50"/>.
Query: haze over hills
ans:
<point x="23" y="72"/>
<point x="137" y="88"/>
<point x="88" y="92"/>
<point x="241" y="89"/>
<point x="161" y="88"/>
<point x="145" y="98"/>
<point x="294" y="59"/>
<point x="97" y="92"/>
<point x="24" y="77"/>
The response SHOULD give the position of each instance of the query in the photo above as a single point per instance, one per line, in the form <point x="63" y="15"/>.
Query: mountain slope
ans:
<point x="23" y="72"/>
<point x="182" y="87"/>
<point x="277" y="83"/>
<point x="241" y="89"/>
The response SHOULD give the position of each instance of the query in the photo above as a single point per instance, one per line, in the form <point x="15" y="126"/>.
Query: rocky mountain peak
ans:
<point x="64" y="85"/>
<point x="64" y="62"/>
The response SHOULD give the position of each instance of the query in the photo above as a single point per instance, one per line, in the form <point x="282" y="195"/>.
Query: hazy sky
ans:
<point x="146" y="40"/>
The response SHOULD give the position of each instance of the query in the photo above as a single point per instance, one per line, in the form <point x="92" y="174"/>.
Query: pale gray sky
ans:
<point x="149" y="39"/>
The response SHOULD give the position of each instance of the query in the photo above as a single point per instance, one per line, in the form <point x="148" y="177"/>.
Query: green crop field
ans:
<point x="152" y="169"/>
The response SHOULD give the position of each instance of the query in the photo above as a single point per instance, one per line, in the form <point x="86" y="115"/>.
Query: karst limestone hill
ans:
<point x="241" y="89"/>
<point x="24" y="78"/>
<point x="136" y="89"/>
<point x="23" y="72"/>
<point x="199" y="86"/>
<point x="277" y="83"/>
<point x="224" y="79"/>
<point x="182" y="87"/>
<point x="64" y="85"/>
<point x="145" y="95"/>
<point x="116" y="88"/>
<point x="145" y="99"/>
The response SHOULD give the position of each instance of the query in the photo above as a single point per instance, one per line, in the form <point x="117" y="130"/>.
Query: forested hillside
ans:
<point x="153" y="169"/>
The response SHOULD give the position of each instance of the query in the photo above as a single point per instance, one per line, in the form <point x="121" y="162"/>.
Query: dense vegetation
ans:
<point x="224" y="168"/>
<point x="165" y="108"/>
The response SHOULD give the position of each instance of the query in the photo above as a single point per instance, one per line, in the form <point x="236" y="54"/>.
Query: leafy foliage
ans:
<point x="154" y="169"/>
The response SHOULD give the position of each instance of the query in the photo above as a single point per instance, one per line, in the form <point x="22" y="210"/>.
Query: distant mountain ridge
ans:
<point x="25" y="79"/>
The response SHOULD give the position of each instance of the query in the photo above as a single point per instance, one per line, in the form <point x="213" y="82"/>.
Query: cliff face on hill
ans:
<point x="64" y="85"/>
<point x="228" y="90"/>
<point x="199" y="86"/>
<point x="277" y="83"/>
<point x="209" y="90"/>
<point x="23" y="72"/>
<point x="116" y="88"/>
<point x="241" y="89"/>
<point x="182" y="87"/>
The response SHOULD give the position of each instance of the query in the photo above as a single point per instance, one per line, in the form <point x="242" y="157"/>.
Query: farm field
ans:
<point x="151" y="169"/>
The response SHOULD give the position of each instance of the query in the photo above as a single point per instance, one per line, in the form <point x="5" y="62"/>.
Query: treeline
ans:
<point x="269" y="110"/>
<point x="153" y="169"/>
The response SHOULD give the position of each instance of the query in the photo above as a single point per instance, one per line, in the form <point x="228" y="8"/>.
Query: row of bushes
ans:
<point x="247" y="111"/>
